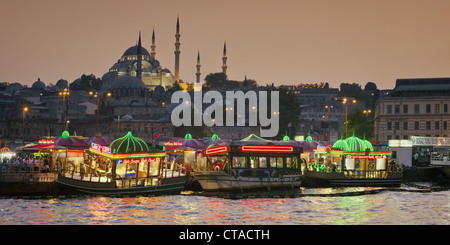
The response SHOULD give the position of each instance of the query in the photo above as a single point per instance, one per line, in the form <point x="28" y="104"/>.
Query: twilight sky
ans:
<point x="284" y="41"/>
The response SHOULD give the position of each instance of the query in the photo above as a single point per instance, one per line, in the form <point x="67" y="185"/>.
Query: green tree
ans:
<point x="289" y="113"/>
<point x="359" y="125"/>
<point x="87" y="83"/>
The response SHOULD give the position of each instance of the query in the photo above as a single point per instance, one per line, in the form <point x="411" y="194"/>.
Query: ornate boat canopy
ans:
<point x="128" y="144"/>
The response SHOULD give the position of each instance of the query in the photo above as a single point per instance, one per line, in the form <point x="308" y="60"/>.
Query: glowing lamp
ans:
<point x="267" y="148"/>
<point x="217" y="150"/>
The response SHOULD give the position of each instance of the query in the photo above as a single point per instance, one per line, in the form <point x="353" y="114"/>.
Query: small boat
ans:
<point x="352" y="162"/>
<point x="251" y="163"/>
<point x="125" y="167"/>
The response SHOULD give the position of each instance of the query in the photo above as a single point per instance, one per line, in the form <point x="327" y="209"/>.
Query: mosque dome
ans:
<point x="127" y="82"/>
<point x="127" y="118"/>
<point x="133" y="51"/>
<point x="38" y="84"/>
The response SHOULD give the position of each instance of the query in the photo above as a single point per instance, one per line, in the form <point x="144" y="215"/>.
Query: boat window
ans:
<point x="276" y="162"/>
<point x="295" y="162"/>
<point x="239" y="162"/>
<point x="288" y="162"/>
<point x="253" y="162"/>
<point x="262" y="162"/>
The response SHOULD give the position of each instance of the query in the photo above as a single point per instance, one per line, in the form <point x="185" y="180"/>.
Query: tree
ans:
<point x="359" y="125"/>
<point x="216" y="80"/>
<point x="87" y="83"/>
<point x="289" y="113"/>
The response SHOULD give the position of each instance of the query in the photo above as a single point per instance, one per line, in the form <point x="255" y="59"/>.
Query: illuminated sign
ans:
<point x="96" y="146"/>
<point x="400" y="143"/>
<point x="267" y="148"/>
<point x="430" y="141"/>
<point x="368" y="156"/>
<point x="46" y="142"/>
<point x="217" y="150"/>
<point x="173" y="145"/>
<point x="75" y="153"/>
<point x="138" y="160"/>
<point x="100" y="148"/>
<point x="106" y="149"/>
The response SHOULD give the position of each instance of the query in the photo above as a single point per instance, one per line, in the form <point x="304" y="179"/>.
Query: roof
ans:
<point x="133" y="51"/>
<point x="422" y="87"/>
<point x="127" y="82"/>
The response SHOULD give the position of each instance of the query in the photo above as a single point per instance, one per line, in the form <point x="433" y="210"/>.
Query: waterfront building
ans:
<point x="415" y="107"/>
<point x="322" y="110"/>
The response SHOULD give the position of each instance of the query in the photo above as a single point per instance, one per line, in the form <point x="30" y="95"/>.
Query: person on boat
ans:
<point x="46" y="168"/>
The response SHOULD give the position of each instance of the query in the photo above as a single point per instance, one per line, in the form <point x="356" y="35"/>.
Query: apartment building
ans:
<point x="416" y="107"/>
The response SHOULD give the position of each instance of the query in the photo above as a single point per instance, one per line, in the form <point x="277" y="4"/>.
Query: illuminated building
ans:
<point x="138" y="62"/>
<point x="416" y="107"/>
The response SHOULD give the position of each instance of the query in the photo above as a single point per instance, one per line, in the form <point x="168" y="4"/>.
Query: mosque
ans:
<point x="138" y="62"/>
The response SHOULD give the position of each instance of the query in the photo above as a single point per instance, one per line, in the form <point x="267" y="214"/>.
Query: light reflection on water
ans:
<point x="383" y="208"/>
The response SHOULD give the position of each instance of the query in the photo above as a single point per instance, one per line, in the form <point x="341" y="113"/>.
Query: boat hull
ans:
<point x="173" y="186"/>
<point x="221" y="181"/>
<point x="12" y="184"/>
<point x="323" y="179"/>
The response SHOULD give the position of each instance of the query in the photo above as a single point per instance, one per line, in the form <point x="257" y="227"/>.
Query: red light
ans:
<point x="267" y="148"/>
<point x="173" y="145"/>
<point x="217" y="150"/>
<point x="46" y="142"/>
<point x="368" y="156"/>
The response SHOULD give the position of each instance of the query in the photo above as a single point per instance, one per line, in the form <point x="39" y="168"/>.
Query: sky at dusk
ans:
<point x="280" y="42"/>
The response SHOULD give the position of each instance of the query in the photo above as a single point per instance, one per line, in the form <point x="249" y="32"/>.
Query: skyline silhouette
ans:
<point x="284" y="42"/>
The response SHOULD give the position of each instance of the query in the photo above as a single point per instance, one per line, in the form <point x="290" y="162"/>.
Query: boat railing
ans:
<point x="126" y="182"/>
<point x="440" y="159"/>
<point x="171" y="173"/>
<point x="365" y="174"/>
<point x="93" y="175"/>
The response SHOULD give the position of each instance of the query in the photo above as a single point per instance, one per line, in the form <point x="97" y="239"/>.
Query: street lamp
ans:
<point x="367" y="112"/>
<point x="344" y="101"/>
<point x="97" y="97"/>
<point x="24" y="110"/>
<point x="328" y="107"/>
<point x="64" y="93"/>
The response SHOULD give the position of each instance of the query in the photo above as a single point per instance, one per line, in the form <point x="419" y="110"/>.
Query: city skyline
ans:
<point x="286" y="43"/>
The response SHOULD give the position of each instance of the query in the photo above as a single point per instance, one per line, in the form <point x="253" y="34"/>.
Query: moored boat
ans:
<point x="125" y="167"/>
<point x="352" y="162"/>
<point x="251" y="163"/>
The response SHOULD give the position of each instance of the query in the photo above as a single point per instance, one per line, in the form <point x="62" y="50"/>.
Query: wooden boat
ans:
<point x="250" y="164"/>
<point x="126" y="167"/>
<point x="352" y="162"/>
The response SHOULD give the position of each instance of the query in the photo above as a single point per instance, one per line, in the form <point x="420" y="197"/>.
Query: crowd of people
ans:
<point x="25" y="163"/>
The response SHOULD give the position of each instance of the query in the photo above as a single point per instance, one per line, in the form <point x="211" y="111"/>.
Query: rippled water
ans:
<point x="387" y="207"/>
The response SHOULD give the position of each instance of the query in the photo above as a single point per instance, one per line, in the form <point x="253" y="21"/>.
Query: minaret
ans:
<point x="139" y="58"/>
<point x="153" y="53"/>
<point x="177" y="52"/>
<point x="224" y="58"/>
<point x="198" y="67"/>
